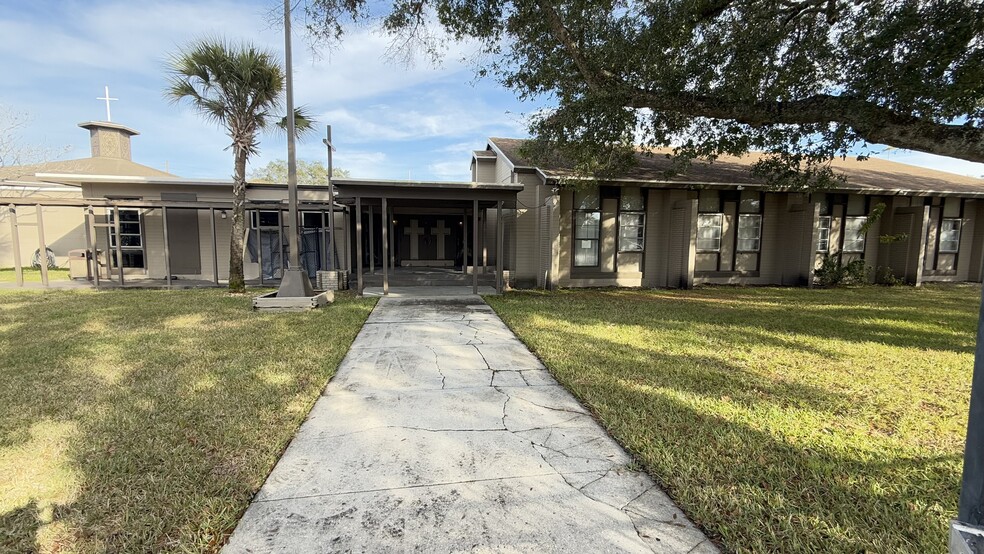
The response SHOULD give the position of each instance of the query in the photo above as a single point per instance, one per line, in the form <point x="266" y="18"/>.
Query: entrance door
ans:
<point x="183" y="241"/>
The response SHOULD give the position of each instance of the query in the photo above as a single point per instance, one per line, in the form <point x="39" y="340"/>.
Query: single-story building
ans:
<point x="715" y="224"/>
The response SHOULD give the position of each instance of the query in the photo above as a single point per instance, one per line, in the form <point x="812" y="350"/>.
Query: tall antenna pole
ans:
<point x="295" y="259"/>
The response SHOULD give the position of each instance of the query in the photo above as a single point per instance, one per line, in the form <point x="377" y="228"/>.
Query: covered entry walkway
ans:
<point x="425" y="231"/>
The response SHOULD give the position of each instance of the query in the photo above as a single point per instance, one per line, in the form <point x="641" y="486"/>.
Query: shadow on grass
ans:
<point x="775" y="460"/>
<point x="181" y="401"/>
<point x="758" y="493"/>
<point x="18" y="528"/>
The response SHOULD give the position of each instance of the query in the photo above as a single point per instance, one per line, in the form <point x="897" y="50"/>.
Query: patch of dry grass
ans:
<point x="140" y="420"/>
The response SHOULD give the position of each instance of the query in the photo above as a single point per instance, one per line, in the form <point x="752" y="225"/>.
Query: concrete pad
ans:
<point x="508" y="379"/>
<point x="442" y="432"/>
<point x="508" y="355"/>
<point x="536" y="514"/>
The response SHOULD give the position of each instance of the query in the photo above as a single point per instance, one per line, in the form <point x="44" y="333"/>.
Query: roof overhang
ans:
<point x="458" y="191"/>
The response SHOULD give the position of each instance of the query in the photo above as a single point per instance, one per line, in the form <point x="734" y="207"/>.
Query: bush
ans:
<point x="885" y="276"/>
<point x="832" y="272"/>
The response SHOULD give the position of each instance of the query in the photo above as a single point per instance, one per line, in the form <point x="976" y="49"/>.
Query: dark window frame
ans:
<point x="575" y="228"/>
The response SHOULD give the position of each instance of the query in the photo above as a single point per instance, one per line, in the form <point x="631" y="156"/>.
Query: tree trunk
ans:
<point x="237" y="282"/>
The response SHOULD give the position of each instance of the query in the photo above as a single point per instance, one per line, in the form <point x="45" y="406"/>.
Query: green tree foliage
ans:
<point x="804" y="81"/>
<point x="240" y="88"/>
<point x="308" y="173"/>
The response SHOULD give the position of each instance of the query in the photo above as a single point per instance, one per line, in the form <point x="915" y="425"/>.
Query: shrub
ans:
<point x="832" y="272"/>
<point x="886" y="276"/>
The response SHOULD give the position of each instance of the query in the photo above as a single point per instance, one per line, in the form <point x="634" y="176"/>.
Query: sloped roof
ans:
<point x="85" y="166"/>
<point x="872" y="175"/>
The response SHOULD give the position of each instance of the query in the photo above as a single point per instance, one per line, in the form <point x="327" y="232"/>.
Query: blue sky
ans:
<point x="388" y="120"/>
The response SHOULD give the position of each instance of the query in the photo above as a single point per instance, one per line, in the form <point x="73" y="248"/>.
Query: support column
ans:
<point x="385" y="230"/>
<point x="259" y="247"/>
<point x="347" y="240"/>
<point x="215" y="253"/>
<point x="499" y="240"/>
<point x="15" y="244"/>
<point x="390" y="217"/>
<point x="167" y="249"/>
<point x="42" y="247"/>
<point x="358" y="244"/>
<point x="372" y="242"/>
<point x="88" y="240"/>
<point x="119" y="243"/>
<point x="464" y="243"/>
<point x="91" y="238"/>
<point x="474" y="247"/>
<point x="485" y="243"/>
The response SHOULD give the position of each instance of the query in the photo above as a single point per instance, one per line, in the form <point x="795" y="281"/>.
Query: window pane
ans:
<point x="586" y="225"/>
<point x="585" y="252"/>
<point x="751" y="202"/>
<point x="853" y="235"/>
<point x="269" y="219"/>
<point x="950" y="236"/>
<point x="708" y="201"/>
<point x="631" y="230"/>
<point x="129" y="241"/>
<point x="749" y="232"/>
<point x="823" y="244"/>
<point x="631" y="199"/>
<point x="587" y="199"/>
<point x="311" y="219"/>
<point x="709" y="232"/>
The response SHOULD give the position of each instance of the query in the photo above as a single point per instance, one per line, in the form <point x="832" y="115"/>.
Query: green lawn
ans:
<point x="7" y="275"/>
<point x="786" y="420"/>
<point x="139" y="421"/>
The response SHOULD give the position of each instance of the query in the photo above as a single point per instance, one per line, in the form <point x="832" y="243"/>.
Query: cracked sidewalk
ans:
<point x="441" y="432"/>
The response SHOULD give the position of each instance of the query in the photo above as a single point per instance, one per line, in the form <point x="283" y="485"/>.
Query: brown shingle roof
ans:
<point x="84" y="166"/>
<point x="875" y="175"/>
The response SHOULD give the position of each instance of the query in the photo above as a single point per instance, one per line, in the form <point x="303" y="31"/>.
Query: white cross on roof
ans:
<point x="107" y="98"/>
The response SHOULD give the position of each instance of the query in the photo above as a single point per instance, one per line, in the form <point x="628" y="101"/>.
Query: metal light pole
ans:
<point x="331" y="200"/>
<point x="295" y="281"/>
<point x="971" y="509"/>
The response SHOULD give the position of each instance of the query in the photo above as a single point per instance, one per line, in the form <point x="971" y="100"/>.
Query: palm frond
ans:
<point x="303" y="122"/>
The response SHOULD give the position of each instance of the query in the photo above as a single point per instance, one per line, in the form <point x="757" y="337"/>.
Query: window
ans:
<point x="949" y="236"/>
<point x="854" y="234"/>
<point x="631" y="232"/>
<point x="749" y="233"/>
<point x="709" y="232"/>
<point x="131" y="238"/>
<point x="631" y="221"/>
<point x="266" y="218"/>
<point x="823" y="243"/>
<point x="311" y="220"/>
<point x="587" y="227"/>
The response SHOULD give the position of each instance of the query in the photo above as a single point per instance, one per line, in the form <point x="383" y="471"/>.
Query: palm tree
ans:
<point x="239" y="87"/>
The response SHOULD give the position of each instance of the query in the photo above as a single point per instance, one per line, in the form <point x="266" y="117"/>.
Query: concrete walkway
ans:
<point x="441" y="432"/>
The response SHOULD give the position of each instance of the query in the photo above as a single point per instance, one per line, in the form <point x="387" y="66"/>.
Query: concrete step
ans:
<point x="434" y="280"/>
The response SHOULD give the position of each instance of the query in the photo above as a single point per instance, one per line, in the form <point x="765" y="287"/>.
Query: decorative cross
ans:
<point x="414" y="232"/>
<point x="440" y="232"/>
<point x="107" y="98"/>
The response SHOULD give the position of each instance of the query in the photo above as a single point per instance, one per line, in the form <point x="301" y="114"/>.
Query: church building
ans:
<point x="515" y="224"/>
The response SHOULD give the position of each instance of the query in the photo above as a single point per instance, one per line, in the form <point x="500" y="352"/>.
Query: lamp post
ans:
<point x="295" y="280"/>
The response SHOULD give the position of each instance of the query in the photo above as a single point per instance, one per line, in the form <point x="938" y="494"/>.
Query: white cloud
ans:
<point x="456" y="170"/>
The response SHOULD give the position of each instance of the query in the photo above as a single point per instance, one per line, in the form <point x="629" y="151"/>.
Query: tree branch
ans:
<point x="871" y="122"/>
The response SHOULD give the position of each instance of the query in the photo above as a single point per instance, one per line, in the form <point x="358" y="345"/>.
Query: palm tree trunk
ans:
<point x="237" y="283"/>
